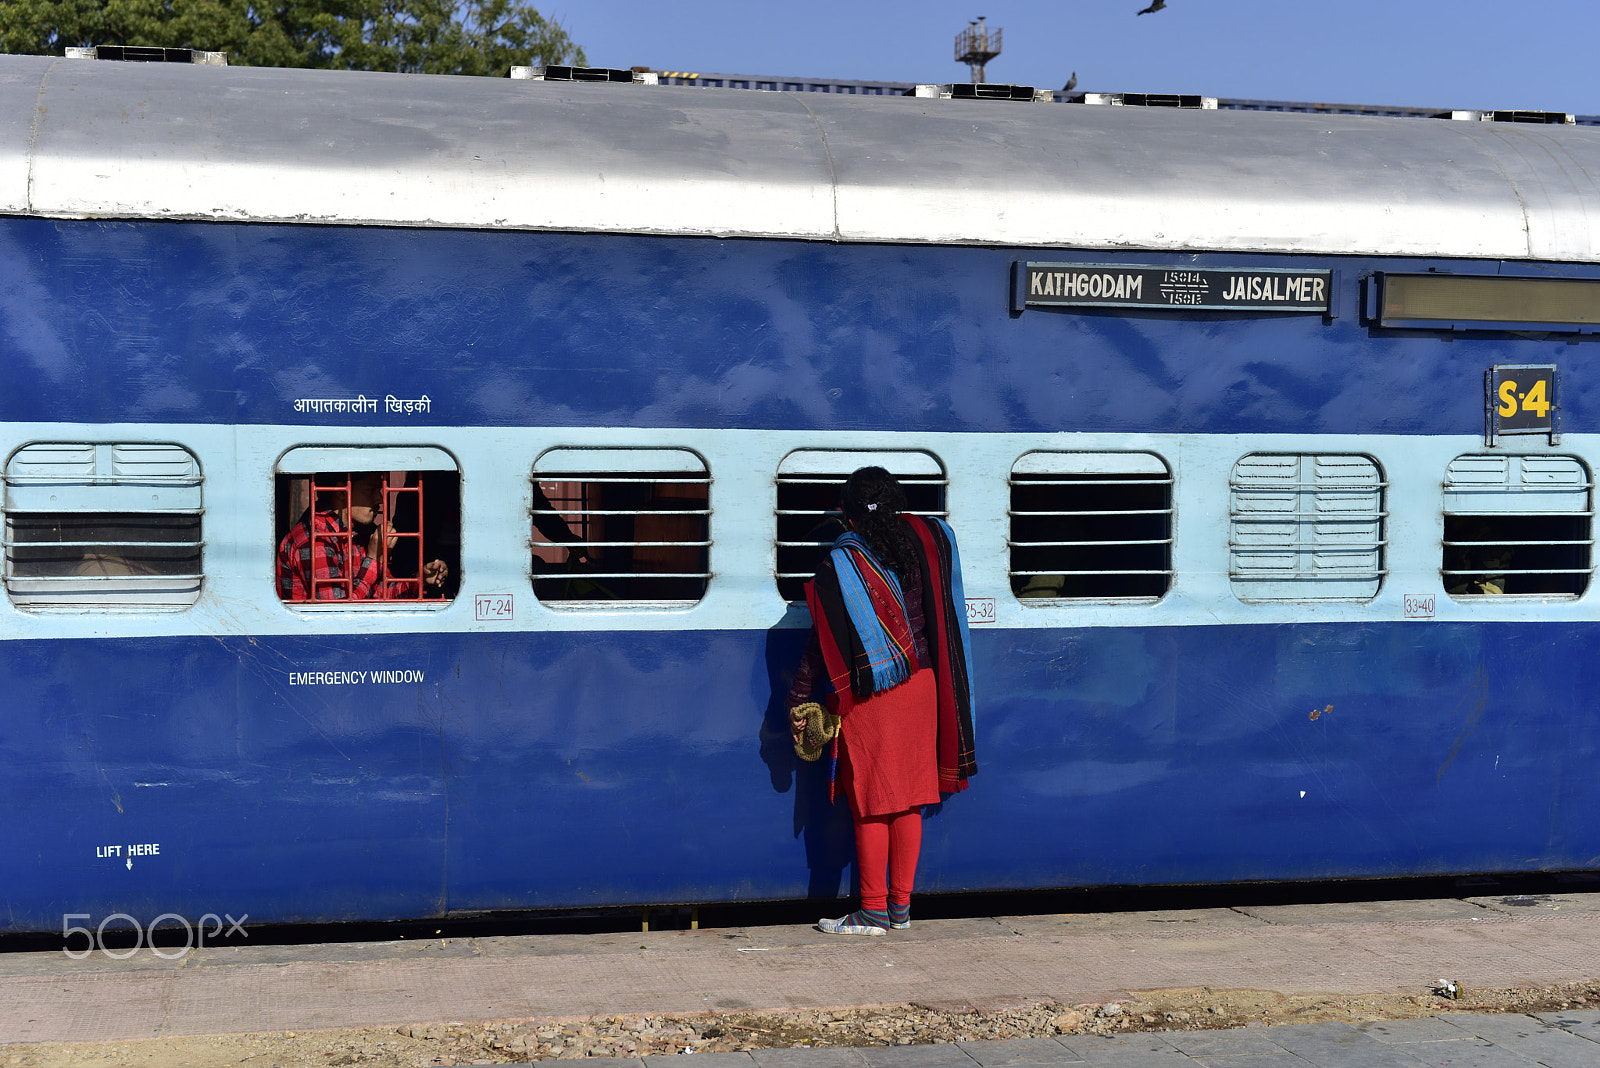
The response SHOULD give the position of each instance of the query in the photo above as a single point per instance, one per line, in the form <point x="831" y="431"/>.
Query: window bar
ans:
<point x="627" y="511"/>
<point x="1309" y="487"/>
<point x="1342" y="576"/>
<point x="642" y="544"/>
<point x="1097" y="571"/>
<point x="158" y="579"/>
<point x="1117" y="511"/>
<point x="625" y="574"/>
<point x="1257" y="548"/>
<point x="1518" y="571"/>
<point x="1311" y="517"/>
<point x="1585" y="515"/>
<point x="1058" y="544"/>
<point x="414" y="589"/>
<point x="336" y="546"/>
<point x="104" y="511"/>
<point x="1493" y="544"/>
<point x="76" y="480"/>
<point x="193" y="544"/>
<point x="1016" y="482"/>
<point x="546" y="477"/>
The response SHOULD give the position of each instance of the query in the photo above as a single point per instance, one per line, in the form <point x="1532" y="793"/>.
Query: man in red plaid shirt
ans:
<point x="322" y="559"/>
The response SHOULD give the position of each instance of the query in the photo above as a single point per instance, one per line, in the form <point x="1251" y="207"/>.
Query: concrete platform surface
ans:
<point x="987" y="964"/>
<point x="1565" y="1040"/>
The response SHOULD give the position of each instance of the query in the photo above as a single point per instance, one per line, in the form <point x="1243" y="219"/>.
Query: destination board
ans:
<point x="1093" y="285"/>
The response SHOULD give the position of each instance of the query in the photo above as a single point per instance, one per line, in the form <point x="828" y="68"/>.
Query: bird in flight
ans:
<point x="1155" y="5"/>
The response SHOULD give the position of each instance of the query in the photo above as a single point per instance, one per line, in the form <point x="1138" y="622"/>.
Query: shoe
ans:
<point x="854" y="923"/>
<point x="899" y="918"/>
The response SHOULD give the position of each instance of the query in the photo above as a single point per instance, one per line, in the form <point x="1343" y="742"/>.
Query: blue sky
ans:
<point x="1526" y="54"/>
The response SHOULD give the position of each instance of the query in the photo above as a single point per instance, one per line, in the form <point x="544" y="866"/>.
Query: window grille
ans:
<point x="112" y="526"/>
<point x="808" y="516"/>
<point x="1091" y="525"/>
<point x="1306" y="527"/>
<point x="1517" y="525"/>
<point x="621" y="525"/>
<point x="413" y="491"/>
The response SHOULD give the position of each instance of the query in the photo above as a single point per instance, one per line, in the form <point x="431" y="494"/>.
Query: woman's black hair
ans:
<point x="873" y="501"/>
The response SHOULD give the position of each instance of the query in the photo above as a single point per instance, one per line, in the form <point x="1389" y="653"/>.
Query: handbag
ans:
<point x="820" y="729"/>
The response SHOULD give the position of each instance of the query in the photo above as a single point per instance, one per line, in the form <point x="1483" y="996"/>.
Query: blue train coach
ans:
<point x="1268" y="439"/>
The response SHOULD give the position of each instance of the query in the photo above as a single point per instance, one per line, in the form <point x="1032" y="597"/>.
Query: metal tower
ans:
<point x="976" y="46"/>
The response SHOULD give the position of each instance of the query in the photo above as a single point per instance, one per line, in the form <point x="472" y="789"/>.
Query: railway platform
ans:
<point x="1079" y="964"/>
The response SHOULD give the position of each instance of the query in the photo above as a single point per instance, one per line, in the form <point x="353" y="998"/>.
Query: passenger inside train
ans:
<point x="549" y="523"/>
<point x="360" y="536"/>
<point x="1516" y="554"/>
<point x="1475" y="563"/>
<point x="621" y="534"/>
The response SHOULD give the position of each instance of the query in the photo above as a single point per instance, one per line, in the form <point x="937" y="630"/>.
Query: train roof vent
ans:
<point x="1153" y="100"/>
<point x="584" y="74"/>
<point x="980" y="91"/>
<point x="1549" y="118"/>
<point x="144" y="54"/>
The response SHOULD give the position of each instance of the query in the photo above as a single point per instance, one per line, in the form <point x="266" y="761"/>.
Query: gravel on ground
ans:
<point x="427" y="1044"/>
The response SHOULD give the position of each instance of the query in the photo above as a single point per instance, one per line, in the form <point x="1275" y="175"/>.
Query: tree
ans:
<point x="409" y="36"/>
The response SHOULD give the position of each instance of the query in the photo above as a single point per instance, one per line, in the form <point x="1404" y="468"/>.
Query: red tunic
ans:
<point x="889" y="750"/>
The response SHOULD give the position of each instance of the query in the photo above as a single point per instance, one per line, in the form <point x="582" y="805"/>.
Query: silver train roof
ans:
<point x="88" y="139"/>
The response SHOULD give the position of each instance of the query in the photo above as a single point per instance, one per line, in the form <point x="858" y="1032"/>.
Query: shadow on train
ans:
<point x="1530" y="889"/>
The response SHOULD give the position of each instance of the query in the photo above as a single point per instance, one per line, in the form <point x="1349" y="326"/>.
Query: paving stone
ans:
<point x="1133" y="1058"/>
<point x="1585" y="1017"/>
<point x="1585" y="1023"/>
<point x="935" y="1055"/>
<point x="419" y="949"/>
<point x="1220" y="1043"/>
<point x="1020" y="1051"/>
<point x="1529" y="906"/>
<point x="805" y="1058"/>
<point x="1142" y="1041"/>
<point x="703" y="1060"/>
<point x="1475" y="1054"/>
<point x="1281" y="1059"/>
<point x="1405" y="1032"/>
<point x="1534" y="1039"/>
<point x="1127" y="1051"/>
<point x="1338" y="1045"/>
<point x="943" y="930"/>
<point x="1164" y="922"/>
<point x="1366" y="912"/>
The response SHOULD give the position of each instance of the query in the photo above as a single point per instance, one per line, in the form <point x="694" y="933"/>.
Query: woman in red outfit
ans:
<point x="889" y="629"/>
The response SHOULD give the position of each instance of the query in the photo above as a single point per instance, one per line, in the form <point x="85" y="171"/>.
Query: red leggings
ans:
<point x="888" y="845"/>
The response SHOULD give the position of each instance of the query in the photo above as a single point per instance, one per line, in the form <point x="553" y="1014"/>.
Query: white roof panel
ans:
<point x="174" y="141"/>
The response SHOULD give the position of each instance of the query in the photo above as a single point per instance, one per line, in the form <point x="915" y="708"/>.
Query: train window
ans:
<point x="379" y="526"/>
<point x="621" y="525"/>
<point x="1516" y="525"/>
<point x="1091" y="526"/>
<point x="808" y="519"/>
<point x="1306" y="527"/>
<point x="111" y="526"/>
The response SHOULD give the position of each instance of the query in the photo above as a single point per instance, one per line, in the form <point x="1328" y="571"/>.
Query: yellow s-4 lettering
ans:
<point x="1508" y="398"/>
<point x="1536" y="401"/>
